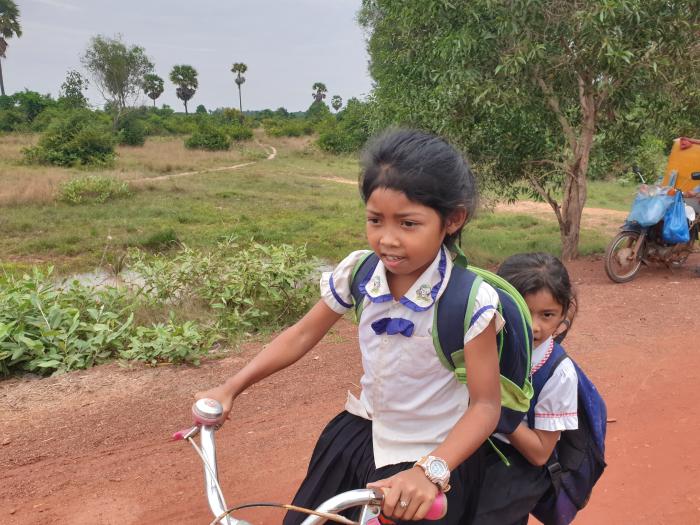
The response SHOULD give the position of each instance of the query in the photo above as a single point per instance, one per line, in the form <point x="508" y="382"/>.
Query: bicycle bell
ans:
<point x="207" y="411"/>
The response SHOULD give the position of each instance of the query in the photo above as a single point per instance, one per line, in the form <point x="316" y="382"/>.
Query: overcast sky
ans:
<point x="287" y="44"/>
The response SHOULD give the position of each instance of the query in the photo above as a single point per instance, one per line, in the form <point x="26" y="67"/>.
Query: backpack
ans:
<point x="454" y="314"/>
<point x="578" y="460"/>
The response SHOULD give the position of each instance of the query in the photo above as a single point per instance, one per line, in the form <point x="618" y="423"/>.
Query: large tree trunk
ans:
<point x="2" y="83"/>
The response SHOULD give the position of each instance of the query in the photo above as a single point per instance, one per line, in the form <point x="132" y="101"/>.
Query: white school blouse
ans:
<point x="411" y="398"/>
<point x="557" y="406"/>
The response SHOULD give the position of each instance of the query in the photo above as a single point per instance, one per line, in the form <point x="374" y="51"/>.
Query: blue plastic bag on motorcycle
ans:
<point x="675" y="230"/>
<point x="648" y="210"/>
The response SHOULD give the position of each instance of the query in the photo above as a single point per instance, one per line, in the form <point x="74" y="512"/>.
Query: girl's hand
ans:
<point x="223" y="395"/>
<point x="408" y="495"/>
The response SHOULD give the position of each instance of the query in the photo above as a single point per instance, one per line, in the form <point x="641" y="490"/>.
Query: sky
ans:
<point x="287" y="44"/>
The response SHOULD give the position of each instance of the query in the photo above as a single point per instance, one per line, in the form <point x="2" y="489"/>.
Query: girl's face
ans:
<point x="404" y="234"/>
<point x="546" y="313"/>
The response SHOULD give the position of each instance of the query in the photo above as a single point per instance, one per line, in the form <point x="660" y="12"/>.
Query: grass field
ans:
<point x="299" y="198"/>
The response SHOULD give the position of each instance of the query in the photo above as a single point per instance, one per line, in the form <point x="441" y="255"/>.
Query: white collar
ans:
<point x="420" y="296"/>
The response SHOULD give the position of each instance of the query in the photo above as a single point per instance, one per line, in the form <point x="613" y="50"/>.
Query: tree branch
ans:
<point x="553" y="103"/>
<point x="544" y="193"/>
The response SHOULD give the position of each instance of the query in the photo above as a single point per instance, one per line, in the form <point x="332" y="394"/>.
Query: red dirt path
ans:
<point x="92" y="447"/>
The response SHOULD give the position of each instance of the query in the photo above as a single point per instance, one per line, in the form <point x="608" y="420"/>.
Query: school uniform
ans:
<point x="509" y="493"/>
<point x="408" y="402"/>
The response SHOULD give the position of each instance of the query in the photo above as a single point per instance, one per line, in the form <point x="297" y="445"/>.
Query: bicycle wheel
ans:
<point x="620" y="265"/>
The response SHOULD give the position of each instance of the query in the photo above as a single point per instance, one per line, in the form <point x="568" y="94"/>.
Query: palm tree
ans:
<point x="239" y="68"/>
<point x="336" y="102"/>
<point x="185" y="78"/>
<point x="319" y="91"/>
<point x="152" y="86"/>
<point x="9" y="27"/>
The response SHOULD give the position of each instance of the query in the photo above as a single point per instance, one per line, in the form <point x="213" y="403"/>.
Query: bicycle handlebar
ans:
<point x="207" y="412"/>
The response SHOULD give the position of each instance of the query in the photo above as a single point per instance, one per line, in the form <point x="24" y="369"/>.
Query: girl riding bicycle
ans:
<point x="414" y="429"/>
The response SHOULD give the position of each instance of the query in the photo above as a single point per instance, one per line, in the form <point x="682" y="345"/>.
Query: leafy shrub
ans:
<point x="350" y="132"/>
<point x="75" y="140"/>
<point x="44" y="328"/>
<point x="132" y="132"/>
<point x="288" y="127"/>
<point x="210" y="138"/>
<point x="238" y="132"/>
<point x="169" y="342"/>
<point x="94" y="188"/>
<point x="250" y="289"/>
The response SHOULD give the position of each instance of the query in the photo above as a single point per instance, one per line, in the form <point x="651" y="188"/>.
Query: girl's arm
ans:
<point x="534" y="444"/>
<point x="285" y="349"/>
<point x="470" y="432"/>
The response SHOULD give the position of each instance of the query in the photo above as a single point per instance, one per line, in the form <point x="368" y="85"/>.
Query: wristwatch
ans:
<point x="436" y="470"/>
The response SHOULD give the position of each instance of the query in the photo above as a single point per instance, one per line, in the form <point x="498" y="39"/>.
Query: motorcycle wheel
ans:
<point x="619" y="265"/>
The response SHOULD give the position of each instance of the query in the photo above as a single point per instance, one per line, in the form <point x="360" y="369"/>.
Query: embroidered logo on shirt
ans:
<point x="423" y="293"/>
<point x="375" y="284"/>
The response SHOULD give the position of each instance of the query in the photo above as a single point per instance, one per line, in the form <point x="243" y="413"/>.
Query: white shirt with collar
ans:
<point x="557" y="405"/>
<point x="411" y="398"/>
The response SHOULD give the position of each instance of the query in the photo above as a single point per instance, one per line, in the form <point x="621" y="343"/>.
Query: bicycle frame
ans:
<point x="206" y="413"/>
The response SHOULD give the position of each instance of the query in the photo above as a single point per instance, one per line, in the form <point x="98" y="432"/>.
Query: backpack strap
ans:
<point x="364" y="268"/>
<point x="541" y="376"/>
<point x="452" y="318"/>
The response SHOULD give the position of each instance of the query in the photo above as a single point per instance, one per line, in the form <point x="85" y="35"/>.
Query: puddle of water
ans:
<point x="103" y="279"/>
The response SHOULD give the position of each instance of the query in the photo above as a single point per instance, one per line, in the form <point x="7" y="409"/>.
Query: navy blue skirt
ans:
<point x="343" y="460"/>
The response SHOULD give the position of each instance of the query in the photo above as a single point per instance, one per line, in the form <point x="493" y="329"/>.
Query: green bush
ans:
<point x="94" y="188"/>
<point x="45" y="328"/>
<point x="132" y="132"/>
<point x="251" y="289"/>
<point x="169" y="342"/>
<point x="75" y="140"/>
<point x="349" y="132"/>
<point x="210" y="138"/>
<point x="288" y="127"/>
<point x="238" y="132"/>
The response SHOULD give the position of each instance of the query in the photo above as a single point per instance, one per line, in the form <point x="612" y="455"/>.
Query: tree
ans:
<point x="238" y="69"/>
<point x="320" y="90"/>
<point x="336" y="102"/>
<point x="201" y="110"/>
<point x="536" y="90"/>
<point x="9" y="27"/>
<point x="152" y="86"/>
<point x="185" y="78"/>
<point x="72" y="89"/>
<point x="117" y="71"/>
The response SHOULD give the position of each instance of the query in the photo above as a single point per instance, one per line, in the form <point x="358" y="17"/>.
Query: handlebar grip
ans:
<point x="207" y="412"/>
<point x="438" y="509"/>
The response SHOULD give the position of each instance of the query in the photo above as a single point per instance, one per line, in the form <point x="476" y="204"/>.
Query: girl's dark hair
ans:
<point x="532" y="272"/>
<point x="425" y="167"/>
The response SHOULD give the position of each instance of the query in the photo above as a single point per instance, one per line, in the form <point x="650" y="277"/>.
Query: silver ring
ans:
<point x="403" y="504"/>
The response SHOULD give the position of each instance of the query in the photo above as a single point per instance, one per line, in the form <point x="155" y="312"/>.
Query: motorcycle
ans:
<point x="637" y="245"/>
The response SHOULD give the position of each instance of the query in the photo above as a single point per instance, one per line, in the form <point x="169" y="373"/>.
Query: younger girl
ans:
<point x="510" y="493"/>
<point x="414" y="429"/>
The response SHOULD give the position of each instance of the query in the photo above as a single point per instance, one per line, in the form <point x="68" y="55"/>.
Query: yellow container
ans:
<point x="684" y="160"/>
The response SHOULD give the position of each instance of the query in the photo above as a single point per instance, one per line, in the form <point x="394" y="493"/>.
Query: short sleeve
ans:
<point x="335" y="285"/>
<point x="485" y="309"/>
<point x="557" y="405"/>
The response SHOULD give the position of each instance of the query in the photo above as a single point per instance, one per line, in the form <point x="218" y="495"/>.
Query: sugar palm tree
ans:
<point x="336" y="102"/>
<point x="238" y="69"/>
<point x="153" y="86"/>
<point x="185" y="78"/>
<point x="9" y="27"/>
<point x="319" y="91"/>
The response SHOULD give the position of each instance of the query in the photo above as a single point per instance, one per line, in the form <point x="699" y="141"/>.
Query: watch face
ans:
<point x="437" y="468"/>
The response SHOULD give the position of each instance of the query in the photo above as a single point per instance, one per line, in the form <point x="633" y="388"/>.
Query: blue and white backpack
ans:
<point x="578" y="460"/>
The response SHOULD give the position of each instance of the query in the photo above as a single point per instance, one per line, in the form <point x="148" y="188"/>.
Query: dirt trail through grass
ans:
<point x="271" y="154"/>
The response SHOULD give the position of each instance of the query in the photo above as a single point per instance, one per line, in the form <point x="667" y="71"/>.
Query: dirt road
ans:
<point x="92" y="447"/>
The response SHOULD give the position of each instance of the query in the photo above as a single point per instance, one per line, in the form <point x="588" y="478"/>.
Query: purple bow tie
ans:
<point x="393" y="326"/>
